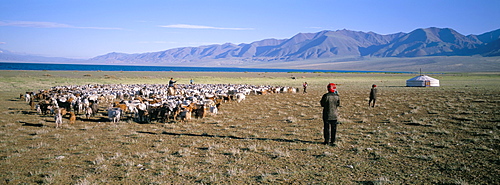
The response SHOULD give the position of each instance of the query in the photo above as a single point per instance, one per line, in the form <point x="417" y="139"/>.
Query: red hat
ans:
<point x="374" y="85"/>
<point x="331" y="87"/>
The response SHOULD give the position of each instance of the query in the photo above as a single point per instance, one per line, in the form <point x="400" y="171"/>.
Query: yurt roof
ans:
<point x="422" y="78"/>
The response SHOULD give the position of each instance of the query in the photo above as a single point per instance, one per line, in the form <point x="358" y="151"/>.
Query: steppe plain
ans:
<point x="439" y="135"/>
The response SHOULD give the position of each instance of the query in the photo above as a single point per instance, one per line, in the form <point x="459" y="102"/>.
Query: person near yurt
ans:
<point x="422" y="81"/>
<point x="373" y="95"/>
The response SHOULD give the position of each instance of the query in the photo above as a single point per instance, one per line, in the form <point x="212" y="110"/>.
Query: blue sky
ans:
<point x="88" y="28"/>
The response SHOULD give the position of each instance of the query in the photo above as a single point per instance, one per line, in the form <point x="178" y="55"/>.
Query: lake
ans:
<point x="85" y="67"/>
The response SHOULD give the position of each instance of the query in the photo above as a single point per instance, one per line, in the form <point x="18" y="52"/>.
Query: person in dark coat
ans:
<point x="330" y="101"/>
<point x="171" y="83"/>
<point x="373" y="95"/>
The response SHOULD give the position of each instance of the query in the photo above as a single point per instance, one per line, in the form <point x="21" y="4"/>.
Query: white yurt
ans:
<point x="422" y="81"/>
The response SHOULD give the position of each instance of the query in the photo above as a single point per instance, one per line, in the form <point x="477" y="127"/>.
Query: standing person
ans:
<point x="305" y="87"/>
<point x="171" y="83"/>
<point x="330" y="101"/>
<point x="373" y="95"/>
<point x="191" y="81"/>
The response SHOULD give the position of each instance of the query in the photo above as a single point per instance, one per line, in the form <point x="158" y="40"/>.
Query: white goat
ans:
<point x="59" y="119"/>
<point x="240" y="97"/>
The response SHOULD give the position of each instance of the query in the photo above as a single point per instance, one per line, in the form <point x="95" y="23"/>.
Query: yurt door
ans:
<point x="427" y="83"/>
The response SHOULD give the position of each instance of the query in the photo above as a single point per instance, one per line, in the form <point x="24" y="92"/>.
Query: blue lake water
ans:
<point x="84" y="67"/>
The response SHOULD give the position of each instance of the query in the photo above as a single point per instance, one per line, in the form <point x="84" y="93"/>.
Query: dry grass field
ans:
<point x="441" y="135"/>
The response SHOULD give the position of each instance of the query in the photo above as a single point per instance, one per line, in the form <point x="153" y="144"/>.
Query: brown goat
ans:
<point x="199" y="111"/>
<point x="72" y="118"/>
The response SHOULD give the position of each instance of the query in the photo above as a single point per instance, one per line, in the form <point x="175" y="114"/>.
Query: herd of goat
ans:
<point x="141" y="102"/>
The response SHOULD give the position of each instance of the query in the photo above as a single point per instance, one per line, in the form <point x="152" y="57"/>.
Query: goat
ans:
<point x="132" y="110"/>
<point x="143" y="113"/>
<point x="95" y="108"/>
<point x="167" y="111"/>
<point x="64" y="104"/>
<point x="154" y="111"/>
<point x="32" y="103"/>
<point x="261" y="92"/>
<point x="176" y="112"/>
<point x="62" y="111"/>
<point x="78" y="106"/>
<point x="27" y="97"/>
<point x="88" y="112"/>
<point x="114" y="114"/>
<point x="45" y="107"/>
<point x="240" y="97"/>
<point x="38" y="109"/>
<point x="185" y="113"/>
<point x="199" y="111"/>
<point x="211" y="106"/>
<point x="122" y="106"/>
<point x="58" y="118"/>
<point x="213" y="110"/>
<point x="72" y="118"/>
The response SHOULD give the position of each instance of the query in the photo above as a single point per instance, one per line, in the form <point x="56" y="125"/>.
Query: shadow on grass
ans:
<point x="418" y="124"/>
<point x="370" y="182"/>
<point x="232" y="137"/>
<point x="31" y="124"/>
<point x="95" y="119"/>
<point x="30" y="112"/>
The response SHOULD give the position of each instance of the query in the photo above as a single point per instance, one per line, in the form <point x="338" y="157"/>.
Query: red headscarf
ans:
<point x="331" y="87"/>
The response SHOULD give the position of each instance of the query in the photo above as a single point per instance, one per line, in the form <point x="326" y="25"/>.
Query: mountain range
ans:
<point x="326" y="44"/>
<point x="8" y="56"/>
<point x="441" y="49"/>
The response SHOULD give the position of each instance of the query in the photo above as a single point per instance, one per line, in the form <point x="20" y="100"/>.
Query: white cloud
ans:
<point x="3" y="43"/>
<point x="188" y="26"/>
<point x="35" y="24"/>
